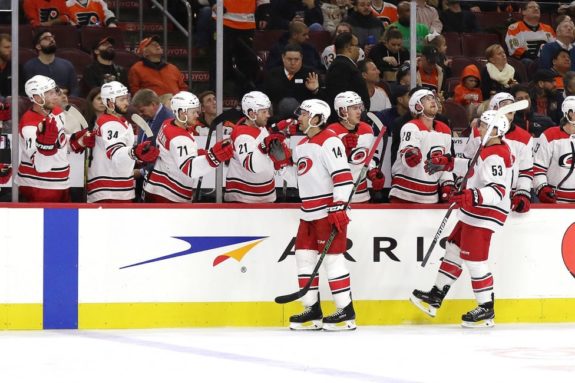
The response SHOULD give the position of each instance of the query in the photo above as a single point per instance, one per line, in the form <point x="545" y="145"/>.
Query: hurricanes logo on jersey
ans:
<point x="566" y="160"/>
<point x="358" y="156"/>
<point x="304" y="164"/>
<point x="568" y="249"/>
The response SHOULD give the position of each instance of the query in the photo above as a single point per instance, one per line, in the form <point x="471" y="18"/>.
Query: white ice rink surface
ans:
<point x="506" y="353"/>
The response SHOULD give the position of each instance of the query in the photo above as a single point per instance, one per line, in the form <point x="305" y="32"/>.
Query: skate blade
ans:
<point x="306" y="326"/>
<point x="481" y="324"/>
<point x="348" y="325"/>
<point x="425" y="307"/>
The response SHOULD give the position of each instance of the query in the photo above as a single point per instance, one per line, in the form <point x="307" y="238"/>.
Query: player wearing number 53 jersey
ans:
<point x="325" y="183"/>
<point x="180" y="161"/>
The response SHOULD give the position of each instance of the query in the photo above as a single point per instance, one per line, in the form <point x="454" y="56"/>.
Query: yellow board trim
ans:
<point x="269" y="314"/>
<point x="21" y="316"/>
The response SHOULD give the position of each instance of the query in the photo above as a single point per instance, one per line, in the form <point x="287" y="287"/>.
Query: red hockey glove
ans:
<point x="446" y="191"/>
<point x="521" y="201"/>
<point x="288" y="127"/>
<point x="220" y="152"/>
<point x="265" y="144"/>
<point x="145" y="152"/>
<point x="439" y="163"/>
<point x="82" y="140"/>
<point x="412" y="156"/>
<point x="337" y="216"/>
<point x="350" y="142"/>
<point x="47" y="137"/>
<point x="467" y="198"/>
<point x="547" y="195"/>
<point x="5" y="173"/>
<point x="280" y="154"/>
<point x="377" y="179"/>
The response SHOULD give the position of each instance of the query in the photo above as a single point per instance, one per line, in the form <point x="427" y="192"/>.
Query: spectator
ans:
<point x="534" y="123"/>
<point x="5" y="65"/>
<point x="298" y="33"/>
<point x="569" y="84"/>
<point x="404" y="75"/>
<point x="364" y="23"/>
<point x="46" y="13"/>
<point x="152" y="72"/>
<point x="378" y="98"/>
<point x="91" y="13"/>
<point x="47" y="64"/>
<point x="439" y="42"/>
<point x="208" y="113"/>
<point x="455" y="19"/>
<point x="402" y="23"/>
<point x="525" y="37"/>
<point x="497" y="75"/>
<point x="333" y="14"/>
<point x="468" y="92"/>
<point x="292" y="83"/>
<point x="385" y="12"/>
<point x="400" y="107"/>
<point x="343" y="73"/>
<point x="565" y="37"/>
<point x="284" y="12"/>
<point x="103" y="69"/>
<point x="428" y="16"/>
<point x="561" y="65"/>
<point x="429" y="73"/>
<point x="328" y="53"/>
<point x="545" y="100"/>
<point x="95" y="107"/>
<point x="388" y="55"/>
<point x="149" y="107"/>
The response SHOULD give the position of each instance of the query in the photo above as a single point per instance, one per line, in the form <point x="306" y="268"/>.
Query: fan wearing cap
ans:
<point x="429" y="72"/>
<point x="545" y="100"/>
<point x="152" y="72"/>
<point x="103" y="69"/>
<point x="91" y="13"/>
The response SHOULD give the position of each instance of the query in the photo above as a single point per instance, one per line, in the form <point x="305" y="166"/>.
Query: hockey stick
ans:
<point x="377" y="196"/>
<point x="298" y="294"/>
<point x="519" y="105"/>
<point x="138" y="120"/>
<point x="75" y="119"/>
<point x="230" y="114"/>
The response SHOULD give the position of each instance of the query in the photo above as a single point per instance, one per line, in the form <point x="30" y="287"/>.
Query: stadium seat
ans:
<point x="458" y="63"/>
<point x="265" y="40"/>
<point x="78" y="102"/>
<point x="457" y="116"/>
<point x="319" y="40"/>
<point x="90" y="35"/>
<point x="78" y="58"/>
<point x="25" y="34"/>
<point x="125" y="58"/>
<point x="25" y="54"/>
<point x="450" y="84"/>
<point x="453" y="41"/>
<point x="495" y="21"/>
<point x="474" y="44"/>
<point x="66" y="36"/>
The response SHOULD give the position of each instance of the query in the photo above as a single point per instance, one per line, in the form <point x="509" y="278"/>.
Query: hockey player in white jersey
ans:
<point x="180" y="161"/>
<point x="483" y="209"/>
<point x="325" y="182"/>
<point x="421" y="139"/>
<point x="554" y="181"/>
<point x="111" y="174"/>
<point x="357" y="138"/>
<point x="250" y="177"/>
<point x="44" y="169"/>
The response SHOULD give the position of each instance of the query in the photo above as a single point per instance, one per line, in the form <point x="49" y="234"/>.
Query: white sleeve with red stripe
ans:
<point x="184" y="151"/>
<point x="493" y="174"/>
<point x="335" y="161"/>
<point x="115" y="136"/>
<point x="543" y="153"/>
<point x="525" y="162"/>
<point x="251" y="158"/>
<point x="410" y="136"/>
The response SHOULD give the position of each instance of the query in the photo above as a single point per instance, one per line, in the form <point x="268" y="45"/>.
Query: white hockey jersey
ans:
<point x="250" y="177"/>
<point x="328" y="55"/>
<point x="553" y="161"/>
<point x="111" y="173"/>
<point x="35" y="169"/>
<point x="356" y="160"/>
<point x="322" y="174"/>
<point x="492" y="176"/>
<point x="413" y="183"/>
<point x="177" y="164"/>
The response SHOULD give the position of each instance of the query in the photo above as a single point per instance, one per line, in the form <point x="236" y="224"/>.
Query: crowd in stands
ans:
<point x="463" y="60"/>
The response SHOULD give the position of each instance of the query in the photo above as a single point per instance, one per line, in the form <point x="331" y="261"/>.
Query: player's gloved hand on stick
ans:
<point x="439" y="163"/>
<point x="446" y="191"/>
<point x="349" y="142"/>
<point x="265" y="144"/>
<point x="5" y="173"/>
<point x="547" y="195"/>
<point x="280" y="154"/>
<point x="288" y="127"/>
<point x="145" y="152"/>
<point x="47" y="137"/>
<point x="521" y="201"/>
<point x="467" y="198"/>
<point x="337" y="216"/>
<point x="412" y="156"/>
<point x="220" y="152"/>
<point x="82" y="140"/>
<point x="377" y="179"/>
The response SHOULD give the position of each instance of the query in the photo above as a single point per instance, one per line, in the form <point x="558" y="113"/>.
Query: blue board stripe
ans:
<point x="60" y="268"/>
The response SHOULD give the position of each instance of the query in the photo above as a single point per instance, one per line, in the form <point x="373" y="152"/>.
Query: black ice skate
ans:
<point x="310" y="319"/>
<point x="429" y="301"/>
<point x="481" y="316"/>
<point x="343" y="319"/>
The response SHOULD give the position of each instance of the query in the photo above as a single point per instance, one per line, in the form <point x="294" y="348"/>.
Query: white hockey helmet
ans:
<point x="38" y="85"/>
<point x="498" y="98"/>
<point x="111" y="90"/>
<point x="568" y="106"/>
<point x="315" y="107"/>
<point x="415" y="105"/>
<point x="499" y="121"/>
<point x="346" y="99"/>
<point x="183" y="101"/>
<point x="255" y="101"/>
